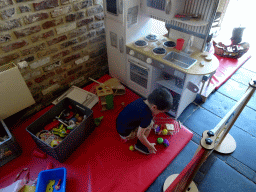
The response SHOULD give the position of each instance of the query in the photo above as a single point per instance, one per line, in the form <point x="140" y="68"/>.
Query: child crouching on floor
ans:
<point x="136" y="119"/>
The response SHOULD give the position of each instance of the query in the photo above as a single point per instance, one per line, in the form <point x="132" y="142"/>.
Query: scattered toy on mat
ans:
<point x="131" y="148"/>
<point x="50" y="166"/>
<point x="106" y="92"/>
<point x="39" y="153"/>
<point x="160" y="140"/>
<point x="106" y="97"/>
<point x="166" y="143"/>
<point x="98" y="120"/>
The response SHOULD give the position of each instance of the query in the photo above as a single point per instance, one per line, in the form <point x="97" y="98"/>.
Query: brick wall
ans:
<point x="63" y="42"/>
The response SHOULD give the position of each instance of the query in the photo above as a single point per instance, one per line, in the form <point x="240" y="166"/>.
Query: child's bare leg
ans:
<point x="147" y="132"/>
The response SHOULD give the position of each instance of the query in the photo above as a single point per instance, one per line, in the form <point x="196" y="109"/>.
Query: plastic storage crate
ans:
<point x="9" y="148"/>
<point x="52" y="174"/>
<point x="75" y="138"/>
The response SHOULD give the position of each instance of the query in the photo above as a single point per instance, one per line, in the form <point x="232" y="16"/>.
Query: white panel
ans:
<point x="14" y="93"/>
<point x="116" y="49"/>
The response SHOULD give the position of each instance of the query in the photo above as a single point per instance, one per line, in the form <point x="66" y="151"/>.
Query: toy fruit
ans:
<point x="164" y="131"/>
<point x="160" y="140"/>
<point x="157" y="129"/>
<point x="131" y="148"/>
<point x="166" y="143"/>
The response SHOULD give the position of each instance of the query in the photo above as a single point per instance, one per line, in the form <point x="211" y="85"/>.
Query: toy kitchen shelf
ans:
<point x="192" y="22"/>
<point x="170" y="84"/>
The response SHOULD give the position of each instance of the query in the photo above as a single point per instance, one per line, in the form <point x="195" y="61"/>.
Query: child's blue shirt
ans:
<point x="132" y="116"/>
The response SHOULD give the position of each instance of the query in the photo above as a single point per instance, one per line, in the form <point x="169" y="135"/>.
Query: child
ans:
<point x="136" y="119"/>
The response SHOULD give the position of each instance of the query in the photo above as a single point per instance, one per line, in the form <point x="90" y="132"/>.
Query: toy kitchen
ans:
<point x="143" y="60"/>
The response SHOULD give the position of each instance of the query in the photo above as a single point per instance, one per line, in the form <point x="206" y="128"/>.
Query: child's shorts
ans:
<point x="132" y="135"/>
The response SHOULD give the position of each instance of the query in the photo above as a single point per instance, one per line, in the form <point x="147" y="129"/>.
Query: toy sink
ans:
<point x="180" y="60"/>
<point x="46" y="178"/>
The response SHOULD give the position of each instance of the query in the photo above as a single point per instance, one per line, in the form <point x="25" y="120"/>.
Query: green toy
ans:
<point x="98" y="120"/>
<point x="160" y="140"/>
<point x="131" y="148"/>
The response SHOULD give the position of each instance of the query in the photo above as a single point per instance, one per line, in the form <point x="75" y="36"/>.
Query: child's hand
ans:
<point x="152" y="148"/>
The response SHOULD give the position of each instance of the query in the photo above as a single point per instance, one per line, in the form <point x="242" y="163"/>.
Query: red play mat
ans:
<point x="227" y="67"/>
<point x="103" y="162"/>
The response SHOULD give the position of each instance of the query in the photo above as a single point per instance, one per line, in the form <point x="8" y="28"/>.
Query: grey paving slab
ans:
<point x="222" y="178"/>
<point x="243" y="75"/>
<point x="245" y="151"/>
<point x="233" y="89"/>
<point x="187" y="112"/>
<point x="201" y="120"/>
<point x="240" y="167"/>
<point x="250" y="64"/>
<point x="236" y="90"/>
<point x="252" y="102"/>
<point x="254" y="179"/>
<point x="247" y="121"/>
<point x="176" y="166"/>
<point x="219" y="104"/>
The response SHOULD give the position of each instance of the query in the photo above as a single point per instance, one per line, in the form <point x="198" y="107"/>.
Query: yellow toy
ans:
<point x="49" y="187"/>
<point x="165" y="129"/>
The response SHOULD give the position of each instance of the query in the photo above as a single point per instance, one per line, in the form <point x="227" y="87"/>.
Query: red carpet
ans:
<point x="102" y="162"/>
<point x="227" y="67"/>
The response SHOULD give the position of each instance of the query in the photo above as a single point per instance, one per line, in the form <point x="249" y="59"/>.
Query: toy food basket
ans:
<point x="162" y="122"/>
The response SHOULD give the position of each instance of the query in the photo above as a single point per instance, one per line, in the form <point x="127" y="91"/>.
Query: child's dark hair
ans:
<point x="162" y="98"/>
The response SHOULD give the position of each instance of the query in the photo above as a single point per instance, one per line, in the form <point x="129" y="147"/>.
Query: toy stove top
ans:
<point x="154" y="44"/>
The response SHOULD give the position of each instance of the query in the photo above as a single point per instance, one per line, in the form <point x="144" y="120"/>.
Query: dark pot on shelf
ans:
<point x="237" y="34"/>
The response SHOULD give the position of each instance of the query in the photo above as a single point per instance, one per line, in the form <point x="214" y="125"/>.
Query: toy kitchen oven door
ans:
<point x="139" y="75"/>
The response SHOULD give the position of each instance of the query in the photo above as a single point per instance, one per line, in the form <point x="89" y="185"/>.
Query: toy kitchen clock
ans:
<point x="143" y="60"/>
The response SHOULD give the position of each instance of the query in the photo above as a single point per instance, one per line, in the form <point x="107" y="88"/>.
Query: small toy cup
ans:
<point x="180" y="43"/>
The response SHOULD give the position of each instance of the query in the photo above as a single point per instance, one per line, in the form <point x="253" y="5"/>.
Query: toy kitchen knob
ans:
<point x="149" y="60"/>
<point x="131" y="52"/>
